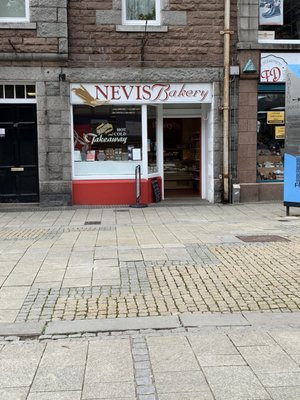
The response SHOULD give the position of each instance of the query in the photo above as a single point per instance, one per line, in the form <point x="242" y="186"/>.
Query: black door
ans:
<point x="19" y="180"/>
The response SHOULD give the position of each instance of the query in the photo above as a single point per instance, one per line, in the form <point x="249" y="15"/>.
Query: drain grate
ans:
<point x="262" y="238"/>
<point x="92" y="223"/>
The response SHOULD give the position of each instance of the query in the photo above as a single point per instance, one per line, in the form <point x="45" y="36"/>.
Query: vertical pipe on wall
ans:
<point x="226" y="108"/>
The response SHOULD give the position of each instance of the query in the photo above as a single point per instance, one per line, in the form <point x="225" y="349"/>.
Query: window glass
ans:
<point x="12" y="9"/>
<point x="270" y="136"/>
<point x="140" y="10"/>
<point x="9" y="91"/>
<point x="280" y="18"/>
<point x="20" y="92"/>
<point x="107" y="140"/>
<point x="152" y="140"/>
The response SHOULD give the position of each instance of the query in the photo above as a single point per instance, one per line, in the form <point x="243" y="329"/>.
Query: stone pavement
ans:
<point x="102" y="263"/>
<point x="234" y="360"/>
<point x="181" y="268"/>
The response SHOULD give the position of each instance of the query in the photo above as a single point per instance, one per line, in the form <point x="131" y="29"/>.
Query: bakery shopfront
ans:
<point x="166" y="128"/>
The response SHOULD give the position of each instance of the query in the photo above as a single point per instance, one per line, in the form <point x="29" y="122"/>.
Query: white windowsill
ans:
<point x="141" y="28"/>
<point x="278" y="41"/>
<point x="17" y="25"/>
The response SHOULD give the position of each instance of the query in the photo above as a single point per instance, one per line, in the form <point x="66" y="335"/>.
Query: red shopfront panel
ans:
<point x="111" y="192"/>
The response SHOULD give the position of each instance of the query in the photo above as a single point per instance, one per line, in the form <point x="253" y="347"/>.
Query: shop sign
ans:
<point x="292" y="143"/>
<point x="279" y="132"/>
<point x="273" y="66"/>
<point x="291" y="180"/>
<point x="275" y="117"/>
<point x="164" y="93"/>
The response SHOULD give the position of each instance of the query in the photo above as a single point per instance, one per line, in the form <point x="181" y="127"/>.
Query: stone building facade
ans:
<point x="269" y="39"/>
<point x="65" y="47"/>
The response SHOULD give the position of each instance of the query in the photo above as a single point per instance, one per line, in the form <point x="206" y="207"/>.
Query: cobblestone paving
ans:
<point x="230" y="278"/>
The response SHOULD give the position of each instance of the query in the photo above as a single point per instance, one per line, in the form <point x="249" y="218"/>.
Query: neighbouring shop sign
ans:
<point x="102" y="93"/>
<point x="275" y="117"/>
<point x="273" y="66"/>
<point x="292" y="144"/>
<point x="279" y="132"/>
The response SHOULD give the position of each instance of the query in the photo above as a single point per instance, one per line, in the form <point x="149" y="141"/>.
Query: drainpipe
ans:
<point x="226" y="108"/>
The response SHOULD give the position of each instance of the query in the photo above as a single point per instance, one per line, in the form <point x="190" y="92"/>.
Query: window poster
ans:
<point x="271" y="12"/>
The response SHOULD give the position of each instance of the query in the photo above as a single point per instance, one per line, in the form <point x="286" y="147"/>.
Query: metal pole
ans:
<point x="138" y="189"/>
<point x="226" y="100"/>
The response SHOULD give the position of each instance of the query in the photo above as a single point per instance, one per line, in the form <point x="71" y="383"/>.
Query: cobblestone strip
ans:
<point x="246" y="278"/>
<point x="145" y="388"/>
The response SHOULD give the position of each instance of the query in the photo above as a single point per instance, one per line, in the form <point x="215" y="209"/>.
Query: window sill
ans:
<point x="278" y="41"/>
<point x="268" y="45"/>
<point x="141" y="28"/>
<point x="17" y="25"/>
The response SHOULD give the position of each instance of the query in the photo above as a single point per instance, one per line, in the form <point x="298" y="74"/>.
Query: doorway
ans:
<point x="182" y="157"/>
<point x="19" y="180"/>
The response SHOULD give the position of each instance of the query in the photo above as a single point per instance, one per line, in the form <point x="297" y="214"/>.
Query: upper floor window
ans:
<point x="279" y="20"/>
<point x="14" y="10"/>
<point x="141" y="12"/>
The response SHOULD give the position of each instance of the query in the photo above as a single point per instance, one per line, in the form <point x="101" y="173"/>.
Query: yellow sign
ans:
<point x="279" y="132"/>
<point x="275" y="117"/>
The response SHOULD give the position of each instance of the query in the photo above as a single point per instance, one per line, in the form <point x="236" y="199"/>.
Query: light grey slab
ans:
<point x="22" y="329"/>
<point x="273" y="319"/>
<point x="268" y="359"/>
<point x="14" y="393"/>
<point x="171" y="353"/>
<point x="285" y="393"/>
<point x="234" y="383"/>
<point x="109" y="361"/>
<point x="199" y="319"/>
<point x="219" y="360"/>
<point x="64" y="354"/>
<point x="16" y="373"/>
<point x="216" y="343"/>
<point x="186" y="396"/>
<point x="58" y="378"/>
<point x="118" y="324"/>
<point x="277" y="379"/>
<point x="108" y="390"/>
<point x="188" y="381"/>
<point x="289" y="340"/>
<point x="70" y="395"/>
<point x="250" y="337"/>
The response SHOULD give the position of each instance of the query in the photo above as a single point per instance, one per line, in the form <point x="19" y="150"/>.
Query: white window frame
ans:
<point x="142" y="22"/>
<point x="276" y="41"/>
<point x="18" y="19"/>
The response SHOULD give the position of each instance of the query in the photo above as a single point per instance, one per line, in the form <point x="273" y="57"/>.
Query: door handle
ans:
<point x="17" y="169"/>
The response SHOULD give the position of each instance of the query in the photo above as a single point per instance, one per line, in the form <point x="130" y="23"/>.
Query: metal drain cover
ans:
<point x="262" y="238"/>
<point x="92" y="223"/>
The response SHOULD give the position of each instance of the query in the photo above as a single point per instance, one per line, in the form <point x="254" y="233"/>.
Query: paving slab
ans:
<point x="57" y="395"/>
<point x="199" y="319"/>
<point x="118" y="324"/>
<point x="22" y="329"/>
<point x="235" y="383"/>
<point x="15" y="393"/>
<point x="273" y="319"/>
<point x="285" y="393"/>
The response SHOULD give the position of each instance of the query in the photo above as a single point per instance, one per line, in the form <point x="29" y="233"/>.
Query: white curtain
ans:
<point x="12" y="8"/>
<point x="140" y="9"/>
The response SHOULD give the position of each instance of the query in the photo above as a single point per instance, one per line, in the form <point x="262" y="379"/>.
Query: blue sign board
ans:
<point x="291" y="179"/>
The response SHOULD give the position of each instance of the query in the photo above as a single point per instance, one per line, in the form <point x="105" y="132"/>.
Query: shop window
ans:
<point x="152" y="140"/>
<point x="10" y="92"/>
<point x="279" y="20"/>
<point x="14" y="10"/>
<point x="270" y="133"/>
<point x="141" y="12"/>
<point x="107" y="140"/>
